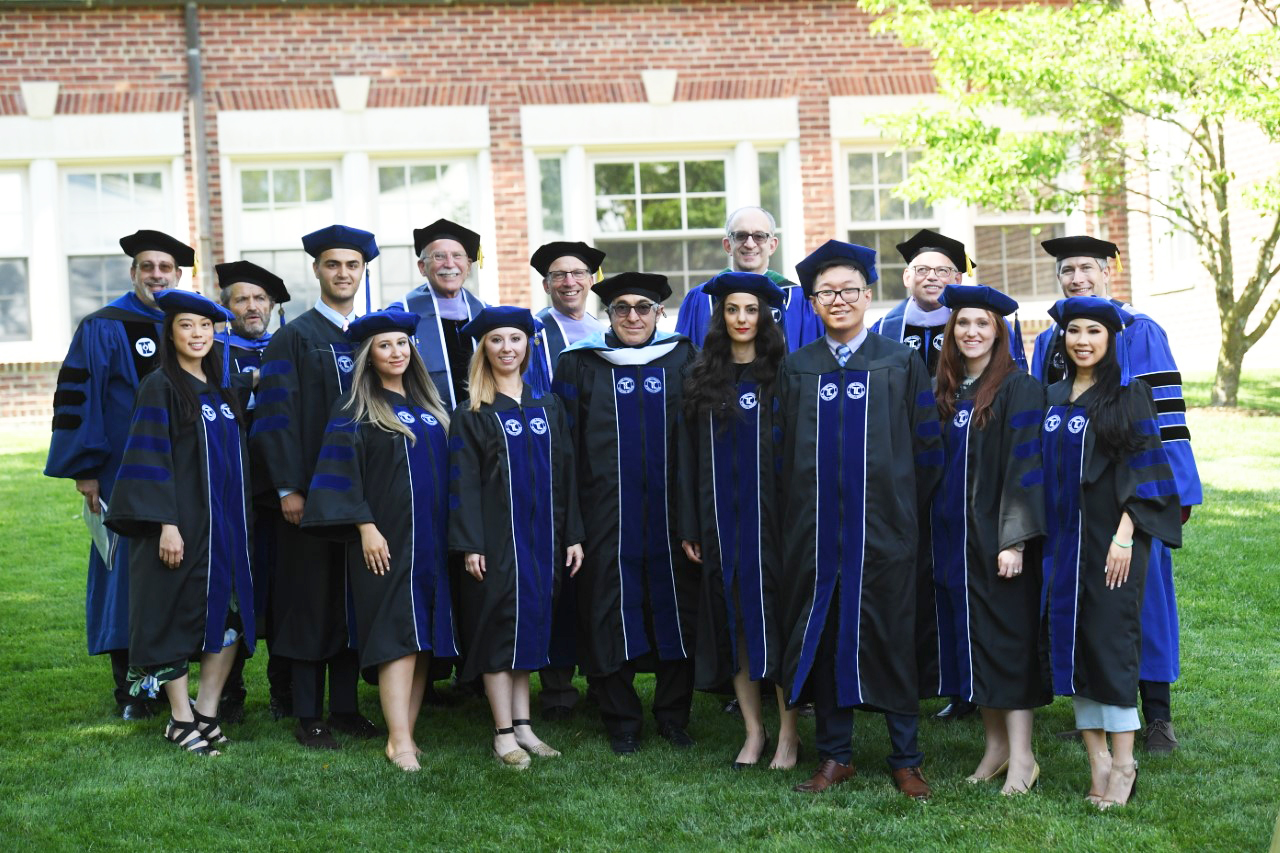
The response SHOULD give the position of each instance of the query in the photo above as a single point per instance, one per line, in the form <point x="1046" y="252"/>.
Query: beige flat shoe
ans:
<point x="999" y="771"/>
<point x="539" y="749"/>
<point x="406" y="761"/>
<point x="516" y="759"/>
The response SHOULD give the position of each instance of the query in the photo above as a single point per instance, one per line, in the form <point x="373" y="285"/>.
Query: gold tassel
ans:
<point x="599" y="274"/>
<point x="479" y="258"/>
<point x="1119" y="266"/>
<point x="968" y="266"/>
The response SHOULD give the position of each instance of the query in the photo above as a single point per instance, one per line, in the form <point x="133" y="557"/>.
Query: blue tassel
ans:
<point x="368" y="298"/>
<point x="1019" y="349"/>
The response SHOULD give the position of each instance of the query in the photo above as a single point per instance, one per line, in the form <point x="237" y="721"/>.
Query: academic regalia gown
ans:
<point x="1095" y="634"/>
<point x="113" y="348"/>
<point x="366" y="474"/>
<point x="991" y="498"/>
<point x="193" y="475"/>
<point x="636" y="592"/>
<point x="445" y="350"/>
<point x="861" y="456"/>
<point x="925" y="340"/>
<point x="305" y="369"/>
<point x="730" y="504"/>
<point x="1151" y="360"/>
<point x="800" y="325"/>
<point x="515" y="501"/>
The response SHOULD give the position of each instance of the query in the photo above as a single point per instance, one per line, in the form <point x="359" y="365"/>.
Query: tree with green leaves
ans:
<point x="1097" y="82"/>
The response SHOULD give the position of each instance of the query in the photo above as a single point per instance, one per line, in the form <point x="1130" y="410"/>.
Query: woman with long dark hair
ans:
<point x="381" y="485"/>
<point x="730" y="443"/>
<point x="1109" y="491"/>
<point x="515" y="521"/>
<point x="987" y="521"/>
<point x="182" y="498"/>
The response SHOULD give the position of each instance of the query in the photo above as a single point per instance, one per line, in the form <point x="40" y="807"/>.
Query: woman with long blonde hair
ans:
<point x="381" y="485"/>
<point x="515" y="521"/>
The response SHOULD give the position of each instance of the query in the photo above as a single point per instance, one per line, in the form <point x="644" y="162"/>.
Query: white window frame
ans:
<point x="21" y="244"/>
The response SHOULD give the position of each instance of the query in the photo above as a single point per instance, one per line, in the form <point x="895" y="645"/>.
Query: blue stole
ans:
<point x="430" y="336"/>
<point x="950" y="526"/>
<point x="1062" y="446"/>
<point x="841" y="509"/>
<point x="228" y="566"/>
<point x="343" y="365"/>
<point x="735" y="480"/>
<point x="427" y="467"/>
<point x="640" y="412"/>
<point x="251" y="358"/>
<point x="528" y="450"/>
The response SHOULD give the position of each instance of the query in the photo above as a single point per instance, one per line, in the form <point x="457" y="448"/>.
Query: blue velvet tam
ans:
<point x="957" y="296"/>
<point x="859" y="257"/>
<point x="549" y="253"/>
<point x="186" y="302"/>
<point x="1096" y="308"/>
<point x="499" y="317"/>
<point x="237" y="272"/>
<point x="158" y="241"/>
<point x="649" y="285"/>
<point x="340" y="237"/>
<point x="745" y="282"/>
<point x="378" y="322"/>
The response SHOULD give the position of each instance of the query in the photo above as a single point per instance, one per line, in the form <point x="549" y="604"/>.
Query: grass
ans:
<point x="74" y="777"/>
<point x="1259" y="391"/>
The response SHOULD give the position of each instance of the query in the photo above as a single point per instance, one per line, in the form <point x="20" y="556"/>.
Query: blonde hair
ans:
<point x="481" y="385"/>
<point x="367" y="405"/>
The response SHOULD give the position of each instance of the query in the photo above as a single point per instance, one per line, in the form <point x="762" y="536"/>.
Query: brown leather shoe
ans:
<point x="911" y="782"/>
<point x="830" y="772"/>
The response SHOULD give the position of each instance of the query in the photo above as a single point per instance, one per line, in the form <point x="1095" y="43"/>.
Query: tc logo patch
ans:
<point x="912" y="341"/>
<point x="747" y="400"/>
<point x="626" y="385"/>
<point x="513" y="427"/>
<point x="428" y="419"/>
<point x="962" y="418"/>
<point x="345" y="364"/>
<point x="145" y="347"/>
<point x="777" y="314"/>
<point x="1076" y="424"/>
<point x="208" y="412"/>
<point x="538" y="425"/>
<point x="1051" y="423"/>
<point x="1058" y="361"/>
<point x="226" y="412"/>
<point x="405" y="418"/>
<point x="248" y="368"/>
<point x="828" y="391"/>
<point x="653" y="385"/>
<point x="937" y="343"/>
<point x="856" y="390"/>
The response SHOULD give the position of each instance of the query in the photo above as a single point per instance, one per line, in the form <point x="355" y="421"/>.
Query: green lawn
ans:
<point x="72" y="776"/>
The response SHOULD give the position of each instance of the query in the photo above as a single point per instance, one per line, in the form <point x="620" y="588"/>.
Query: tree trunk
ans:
<point x="1226" y="381"/>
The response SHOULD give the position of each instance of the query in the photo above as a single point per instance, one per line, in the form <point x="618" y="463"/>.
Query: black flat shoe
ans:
<point x="314" y="734"/>
<point x="355" y="725"/>
<point x="136" y="711"/>
<point x="957" y="709"/>
<point x="626" y="743"/>
<point x="676" y="736"/>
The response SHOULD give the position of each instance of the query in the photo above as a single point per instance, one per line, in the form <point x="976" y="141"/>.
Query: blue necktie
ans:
<point x="843" y="354"/>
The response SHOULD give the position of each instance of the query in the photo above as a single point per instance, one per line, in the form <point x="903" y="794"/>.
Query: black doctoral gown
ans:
<point x="305" y="369"/>
<point x="367" y="474"/>
<point x="637" y="592"/>
<point x="515" y="501"/>
<point x="991" y="498"/>
<point x="192" y="474"/>
<point x="1095" y="634"/>
<point x="861" y="456"/>
<point x="729" y="503"/>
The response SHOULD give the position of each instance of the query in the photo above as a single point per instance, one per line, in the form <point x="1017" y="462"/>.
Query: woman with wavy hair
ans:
<point x="381" y="484"/>
<point x="987" y="522"/>
<point x="730" y="444"/>
<point x="1109" y="491"/>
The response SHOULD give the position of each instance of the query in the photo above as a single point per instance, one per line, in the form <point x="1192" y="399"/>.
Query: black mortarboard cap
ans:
<point x="158" y="241"/>
<point x="548" y="254"/>
<point x="247" y="271"/>
<point x="649" y="285"/>
<point x="925" y="240"/>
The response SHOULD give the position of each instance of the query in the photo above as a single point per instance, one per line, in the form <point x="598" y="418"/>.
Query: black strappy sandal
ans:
<point x="210" y="728"/>
<point x="187" y="736"/>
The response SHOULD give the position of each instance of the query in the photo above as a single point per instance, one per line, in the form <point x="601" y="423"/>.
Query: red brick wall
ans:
<point x="26" y="390"/>
<point x="500" y="54"/>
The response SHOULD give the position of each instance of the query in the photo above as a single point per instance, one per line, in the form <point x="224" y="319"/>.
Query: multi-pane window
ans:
<point x="413" y="195"/>
<point x="771" y="195"/>
<point x="662" y="216"/>
<point x="279" y="204"/>
<point x="1010" y="259"/>
<point x="15" y="297"/>
<point x="877" y="218"/>
<point x="101" y="207"/>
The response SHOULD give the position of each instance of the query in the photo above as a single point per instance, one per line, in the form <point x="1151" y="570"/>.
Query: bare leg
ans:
<point x="420" y="671"/>
<point x="395" y="689"/>
<point x="499" y="687"/>
<point x="1095" y="746"/>
<point x="1124" y="773"/>
<point x="748" y="693"/>
<point x="528" y="741"/>
<point x="179" y="696"/>
<point x="1022" y="761"/>
<point x="788" y="751"/>
<point x="996" y="754"/>
<point x="214" y="669"/>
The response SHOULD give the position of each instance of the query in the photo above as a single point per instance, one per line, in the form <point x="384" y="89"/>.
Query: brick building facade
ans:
<point x="633" y="125"/>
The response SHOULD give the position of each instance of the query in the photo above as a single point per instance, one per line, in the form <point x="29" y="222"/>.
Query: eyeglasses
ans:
<point x="741" y="237"/>
<point x="941" y="272"/>
<point x="560" y="276"/>
<point x="850" y="295"/>
<point x="441" y="257"/>
<point x="622" y="309"/>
